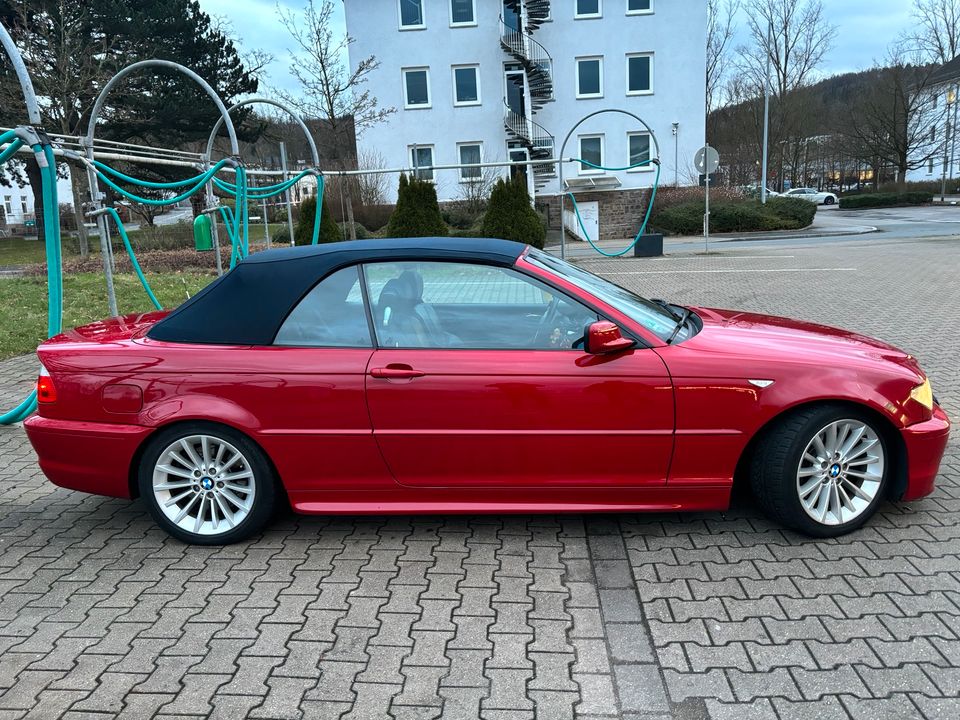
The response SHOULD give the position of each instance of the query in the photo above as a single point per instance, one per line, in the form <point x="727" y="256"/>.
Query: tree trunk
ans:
<point x="36" y="184"/>
<point x="349" y="201"/>
<point x="78" y="211"/>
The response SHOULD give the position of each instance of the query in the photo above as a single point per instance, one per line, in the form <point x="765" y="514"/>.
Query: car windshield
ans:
<point x="647" y="313"/>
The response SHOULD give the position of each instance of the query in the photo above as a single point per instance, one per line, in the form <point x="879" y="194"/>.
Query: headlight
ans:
<point x="923" y="394"/>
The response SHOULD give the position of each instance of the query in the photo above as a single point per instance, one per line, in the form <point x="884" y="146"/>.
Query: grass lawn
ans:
<point x="23" y="303"/>
<point x="29" y="251"/>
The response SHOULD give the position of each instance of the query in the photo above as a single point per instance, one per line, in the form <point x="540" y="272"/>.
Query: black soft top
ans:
<point x="248" y="304"/>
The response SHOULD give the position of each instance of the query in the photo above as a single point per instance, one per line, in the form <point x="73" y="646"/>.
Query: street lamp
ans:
<point x="676" y="154"/>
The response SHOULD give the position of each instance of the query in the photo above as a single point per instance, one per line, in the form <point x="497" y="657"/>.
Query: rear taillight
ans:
<point x="46" y="390"/>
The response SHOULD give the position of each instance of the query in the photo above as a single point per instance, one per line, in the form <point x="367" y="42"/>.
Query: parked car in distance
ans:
<point x="815" y="196"/>
<point x="457" y="375"/>
<point x="753" y="191"/>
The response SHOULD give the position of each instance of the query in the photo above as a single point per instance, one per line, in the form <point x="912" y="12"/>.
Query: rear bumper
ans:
<point x="925" y="442"/>
<point x="90" y="457"/>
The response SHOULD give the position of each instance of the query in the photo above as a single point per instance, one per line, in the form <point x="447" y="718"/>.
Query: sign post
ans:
<point x="707" y="160"/>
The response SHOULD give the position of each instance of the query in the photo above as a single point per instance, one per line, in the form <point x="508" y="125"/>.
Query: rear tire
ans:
<point x="822" y="470"/>
<point x="206" y="484"/>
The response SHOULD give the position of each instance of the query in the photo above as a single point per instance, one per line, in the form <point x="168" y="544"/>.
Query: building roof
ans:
<point x="248" y="305"/>
<point x="946" y="73"/>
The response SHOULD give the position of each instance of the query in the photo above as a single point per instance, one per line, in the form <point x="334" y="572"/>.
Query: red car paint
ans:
<point x="661" y="427"/>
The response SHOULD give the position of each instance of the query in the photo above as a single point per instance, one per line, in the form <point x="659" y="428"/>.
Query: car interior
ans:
<point x="332" y="314"/>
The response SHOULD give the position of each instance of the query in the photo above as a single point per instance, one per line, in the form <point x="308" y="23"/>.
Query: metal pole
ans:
<point x="766" y="116"/>
<point x="266" y="224"/>
<point x="96" y="197"/>
<point x="706" y="215"/>
<point x="946" y="149"/>
<point x="676" y="154"/>
<point x="286" y="194"/>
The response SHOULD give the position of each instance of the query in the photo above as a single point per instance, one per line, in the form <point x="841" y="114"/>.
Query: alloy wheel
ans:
<point x="840" y="472"/>
<point x="204" y="485"/>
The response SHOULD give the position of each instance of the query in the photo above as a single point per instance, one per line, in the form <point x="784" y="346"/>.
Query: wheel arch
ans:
<point x="132" y="483"/>
<point x="898" y="478"/>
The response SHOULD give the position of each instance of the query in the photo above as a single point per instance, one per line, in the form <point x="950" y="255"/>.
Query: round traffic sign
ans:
<point x="707" y="160"/>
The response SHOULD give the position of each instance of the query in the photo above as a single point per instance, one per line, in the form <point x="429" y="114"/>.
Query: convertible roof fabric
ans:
<point x="248" y="305"/>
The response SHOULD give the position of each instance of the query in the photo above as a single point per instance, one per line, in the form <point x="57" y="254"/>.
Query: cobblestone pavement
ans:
<point x="715" y="615"/>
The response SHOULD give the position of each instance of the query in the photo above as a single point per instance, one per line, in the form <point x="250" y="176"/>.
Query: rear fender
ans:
<point x="200" y="407"/>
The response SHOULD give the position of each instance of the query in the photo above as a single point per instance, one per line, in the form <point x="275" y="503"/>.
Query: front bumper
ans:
<point x="85" y="456"/>
<point x="925" y="443"/>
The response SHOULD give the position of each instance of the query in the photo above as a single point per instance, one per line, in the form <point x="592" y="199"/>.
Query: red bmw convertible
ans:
<point x="470" y="376"/>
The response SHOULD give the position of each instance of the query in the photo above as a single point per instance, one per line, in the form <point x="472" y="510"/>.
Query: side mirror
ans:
<point x="604" y="337"/>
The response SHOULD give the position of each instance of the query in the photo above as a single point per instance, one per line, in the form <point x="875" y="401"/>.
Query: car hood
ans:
<point x="784" y="339"/>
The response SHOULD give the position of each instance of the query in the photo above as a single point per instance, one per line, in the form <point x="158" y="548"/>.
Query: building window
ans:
<point x="930" y="167"/>
<point x="640" y="74"/>
<point x="587" y="8"/>
<point x="466" y="85"/>
<point x="639" y="7"/>
<point x="416" y="88"/>
<point x="471" y="152"/>
<point x="590" y="77"/>
<point x="421" y="159"/>
<point x="933" y="133"/>
<point x="462" y="12"/>
<point x="23" y="204"/>
<point x="638" y="149"/>
<point x="591" y="150"/>
<point x="8" y="204"/>
<point x="411" y="15"/>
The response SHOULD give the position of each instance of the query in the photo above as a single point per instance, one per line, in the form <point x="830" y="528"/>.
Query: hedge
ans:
<point x="417" y="213"/>
<point x="510" y="216"/>
<point x="872" y="200"/>
<point x="735" y="216"/>
<point x="303" y="232"/>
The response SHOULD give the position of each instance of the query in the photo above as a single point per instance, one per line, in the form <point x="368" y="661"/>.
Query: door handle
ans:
<point x="396" y="371"/>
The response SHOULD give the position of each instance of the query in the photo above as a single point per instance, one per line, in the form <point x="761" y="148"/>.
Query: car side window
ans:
<point x="470" y="306"/>
<point x="330" y="315"/>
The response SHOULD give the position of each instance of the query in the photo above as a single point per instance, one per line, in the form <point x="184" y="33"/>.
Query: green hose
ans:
<point x="51" y="226"/>
<point x="204" y="176"/>
<point x="133" y="258"/>
<point x="646" y="217"/>
<point x="264" y="192"/>
<point x="204" y="179"/>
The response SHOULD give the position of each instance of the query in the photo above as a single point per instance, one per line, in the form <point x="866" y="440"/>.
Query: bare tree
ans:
<point x="899" y="122"/>
<point x="793" y="36"/>
<point x="372" y="188"/>
<point x="936" y="29"/>
<point x="68" y="62"/>
<point x="331" y="90"/>
<point x="720" y="31"/>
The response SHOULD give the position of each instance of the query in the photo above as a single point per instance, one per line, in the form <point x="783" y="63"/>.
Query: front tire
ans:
<point x="828" y="200"/>
<point x="822" y="470"/>
<point x="206" y="484"/>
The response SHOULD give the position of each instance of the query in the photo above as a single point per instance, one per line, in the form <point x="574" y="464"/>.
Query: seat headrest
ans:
<point x="413" y="283"/>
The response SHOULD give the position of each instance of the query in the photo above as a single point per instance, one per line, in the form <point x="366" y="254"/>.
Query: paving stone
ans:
<point x="103" y="616"/>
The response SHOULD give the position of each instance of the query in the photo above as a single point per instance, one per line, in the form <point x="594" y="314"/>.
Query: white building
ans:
<point x="17" y="201"/>
<point x="508" y="79"/>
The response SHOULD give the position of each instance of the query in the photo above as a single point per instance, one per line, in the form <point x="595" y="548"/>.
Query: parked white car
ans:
<point x="815" y="196"/>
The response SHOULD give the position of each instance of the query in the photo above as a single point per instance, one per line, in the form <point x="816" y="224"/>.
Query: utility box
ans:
<point x="650" y="245"/>
<point x="202" y="234"/>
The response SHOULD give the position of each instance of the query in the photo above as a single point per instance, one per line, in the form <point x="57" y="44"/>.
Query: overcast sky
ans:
<point x="864" y="29"/>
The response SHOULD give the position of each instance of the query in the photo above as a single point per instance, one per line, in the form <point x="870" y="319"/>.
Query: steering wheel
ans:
<point x="549" y="316"/>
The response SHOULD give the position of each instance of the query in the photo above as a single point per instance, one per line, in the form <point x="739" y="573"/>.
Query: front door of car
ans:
<point x="479" y="379"/>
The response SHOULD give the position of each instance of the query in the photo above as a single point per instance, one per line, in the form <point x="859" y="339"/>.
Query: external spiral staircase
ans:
<point x="520" y="45"/>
